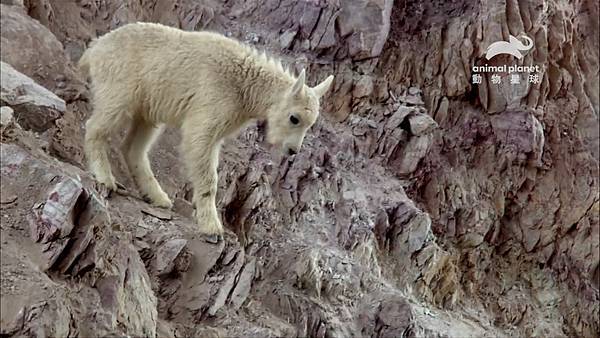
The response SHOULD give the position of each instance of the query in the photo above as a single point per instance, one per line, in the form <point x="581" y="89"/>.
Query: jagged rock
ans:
<point x="394" y="318"/>
<point x="363" y="87"/>
<point x="404" y="229"/>
<point x="160" y="214"/>
<point x="398" y="117"/>
<point x="411" y="99"/>
<point x="169" y="253"/>
<point x="73" y="224"/>
<point x="35" y="107"/>
<point x="226" y="288"/>
<point x="286" y="39"/>
<point x="57" y="215"/>
<point x="244" y="283"/>
<point x="125" y="292"/>
<point x="421" y="124"/>
<point x="367" y="24"/>
<point x="411" y="154"/>
<point x="521" y="135"/>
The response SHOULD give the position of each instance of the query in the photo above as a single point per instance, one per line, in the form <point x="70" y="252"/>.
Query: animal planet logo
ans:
<point x="512" y="47"/>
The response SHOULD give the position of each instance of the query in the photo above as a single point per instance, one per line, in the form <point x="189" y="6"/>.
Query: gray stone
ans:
<point x="286" y="39"/>
<point x="421" y="124"/>
<point x="167" y="254"/>
<point x="363" y="87"/>
<point x="6" y="115"/>
<point x="35" y="107"/>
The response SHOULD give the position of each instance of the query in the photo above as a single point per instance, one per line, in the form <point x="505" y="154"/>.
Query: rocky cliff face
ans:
<point x="420" y="205"/>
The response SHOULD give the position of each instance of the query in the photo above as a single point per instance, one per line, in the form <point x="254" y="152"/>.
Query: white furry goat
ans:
<point x="206" y="84"/>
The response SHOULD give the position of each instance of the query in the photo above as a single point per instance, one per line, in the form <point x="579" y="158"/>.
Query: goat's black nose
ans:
<point x="291" y="151"/>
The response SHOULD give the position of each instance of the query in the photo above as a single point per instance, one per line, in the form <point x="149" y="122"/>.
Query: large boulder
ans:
<point x="35" y="107"/>
<point x="33" y="50"/>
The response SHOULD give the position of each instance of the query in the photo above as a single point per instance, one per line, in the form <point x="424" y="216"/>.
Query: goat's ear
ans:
<point x="299" y="85"/>
<point x="323" y="87"/>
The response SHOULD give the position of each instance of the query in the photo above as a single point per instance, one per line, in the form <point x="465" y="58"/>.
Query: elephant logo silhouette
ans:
<point x="513" y="47"/>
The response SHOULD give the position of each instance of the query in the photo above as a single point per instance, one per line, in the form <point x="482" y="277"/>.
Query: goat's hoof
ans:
<point x="120" y="186"/>
<point x="103" y="190"/>
<point x="213" y="239"/>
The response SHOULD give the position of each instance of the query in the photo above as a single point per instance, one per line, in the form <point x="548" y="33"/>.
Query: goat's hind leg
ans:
<point x="99" y="127"/>
<point x="136" y="146"/>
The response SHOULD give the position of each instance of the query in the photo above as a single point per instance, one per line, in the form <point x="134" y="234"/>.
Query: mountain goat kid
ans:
<point x="148" y="75"/>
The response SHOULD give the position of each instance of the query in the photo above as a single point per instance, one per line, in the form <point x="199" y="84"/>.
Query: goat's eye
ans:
<point x="294" y="119"/>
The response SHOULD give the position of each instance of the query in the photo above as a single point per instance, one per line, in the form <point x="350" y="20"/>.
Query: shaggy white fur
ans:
<point x="206" y="84"/>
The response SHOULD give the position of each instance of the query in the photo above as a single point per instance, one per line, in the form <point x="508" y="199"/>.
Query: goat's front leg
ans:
<point x="201" y="160"/>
